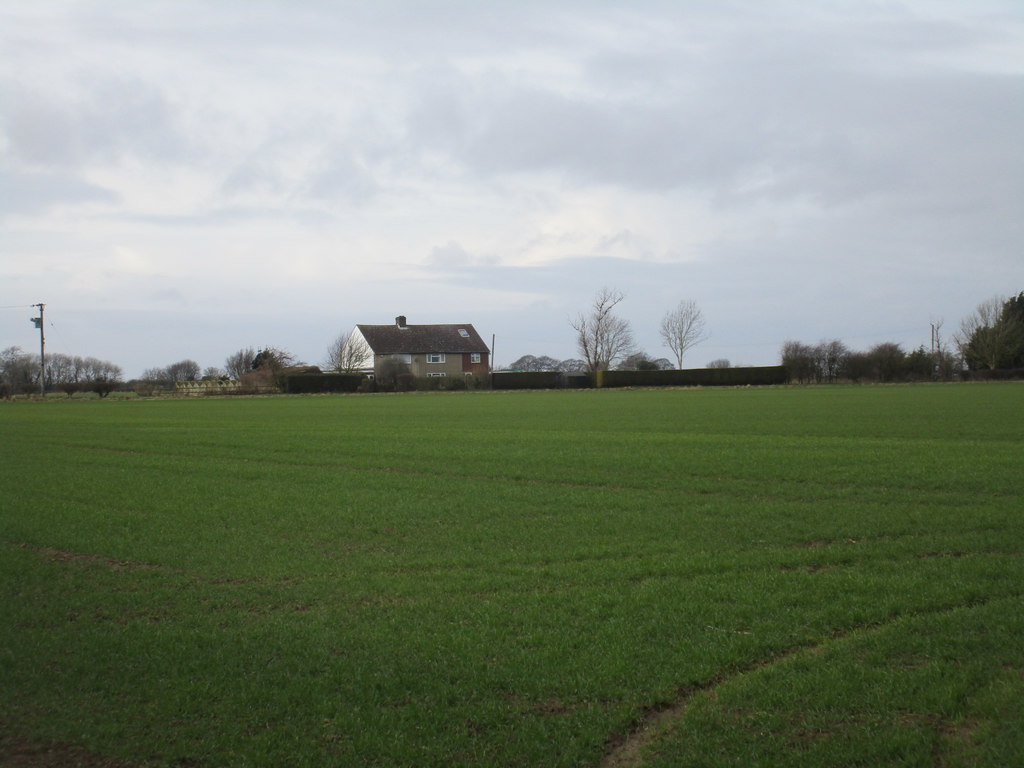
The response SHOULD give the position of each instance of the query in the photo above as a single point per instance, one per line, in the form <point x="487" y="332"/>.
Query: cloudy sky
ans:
<point x="183" y="179"/>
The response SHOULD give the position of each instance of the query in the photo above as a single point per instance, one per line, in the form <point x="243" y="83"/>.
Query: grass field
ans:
<point x="821" y="576"/>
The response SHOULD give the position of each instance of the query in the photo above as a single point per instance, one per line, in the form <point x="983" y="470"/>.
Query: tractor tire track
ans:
<point x="625" y="750"/>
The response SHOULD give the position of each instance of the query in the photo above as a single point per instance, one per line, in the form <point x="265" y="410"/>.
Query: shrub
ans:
<point x="427" y="383"/>
<point x="257" y="382"/>
<point x="388" y="372"/>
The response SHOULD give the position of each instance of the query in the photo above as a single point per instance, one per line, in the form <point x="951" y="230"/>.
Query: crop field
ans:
<point x="825" y="576"/>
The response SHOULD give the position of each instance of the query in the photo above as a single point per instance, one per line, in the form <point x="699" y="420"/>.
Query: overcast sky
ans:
<point x="183" y="179"/>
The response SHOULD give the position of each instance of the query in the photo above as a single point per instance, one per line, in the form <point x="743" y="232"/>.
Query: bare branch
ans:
<point x="683" y="328"/>
<point x="602" y="337"/>
<point x="348" y="353"/>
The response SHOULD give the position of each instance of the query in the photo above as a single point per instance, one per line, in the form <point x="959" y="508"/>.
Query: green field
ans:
<point x="821" y="576"/>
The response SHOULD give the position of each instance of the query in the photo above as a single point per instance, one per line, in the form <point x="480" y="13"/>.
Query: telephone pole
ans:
<point x="42" y="348"/>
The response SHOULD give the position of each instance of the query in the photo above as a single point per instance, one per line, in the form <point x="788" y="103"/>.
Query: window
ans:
<point x="407" y="359"/>
<point x="463" y="333"/>
<point x="436" y="375"/>
<point x="474" y="357"/>
<point x="435" y="357"/>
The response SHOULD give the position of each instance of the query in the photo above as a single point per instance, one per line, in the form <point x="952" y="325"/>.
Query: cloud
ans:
<point x="799" y="171"/>
<point x="168" y="296"/>
<point x="450" y="255"/>
<point x="804" y="113"/>
<point x="108" y="119"/>
<point x="339" y="174"/>
<point x="34" y="193"/>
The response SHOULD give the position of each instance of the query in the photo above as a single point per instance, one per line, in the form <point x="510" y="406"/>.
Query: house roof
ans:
<point x="452" y="339"/>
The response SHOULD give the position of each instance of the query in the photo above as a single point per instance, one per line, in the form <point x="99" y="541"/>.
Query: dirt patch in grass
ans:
<point x="15" y="753"/>
<point x="63" y="556"/>
<point x="114" y="564"/>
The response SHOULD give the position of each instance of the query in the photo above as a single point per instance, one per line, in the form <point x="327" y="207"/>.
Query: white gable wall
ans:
<point x="356" y="340"/>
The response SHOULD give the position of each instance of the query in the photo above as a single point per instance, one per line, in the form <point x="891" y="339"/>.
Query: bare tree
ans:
<point x="572" y="365"/>
<point x="602" y="337"/>
<point x="58" y="369"/>
<point x="183" y="370"/>
<point x="240" y="363"/>
<point x="213" y="373"/>
<point x="348" y="353"/>
<point x="799" y="360"/>
<point x="683" y="328"/>
<point x="532" y="363"/>
<point x="18" y="371"/>
<point x="525" y="363"/>
<point x="63" y="373"/>
<point x="828" y="359"/>
<point x="101" y="376"/>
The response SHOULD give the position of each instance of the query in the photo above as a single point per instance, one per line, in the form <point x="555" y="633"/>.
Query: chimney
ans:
<point x="400" y="321"/>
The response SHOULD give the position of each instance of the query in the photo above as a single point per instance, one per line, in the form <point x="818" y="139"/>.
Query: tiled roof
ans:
<point x="422" y="339"/>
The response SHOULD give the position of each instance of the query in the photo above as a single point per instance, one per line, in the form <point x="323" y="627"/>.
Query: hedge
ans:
<point x="698" y="377"/>
<point x="532" y="380"/>
<point x="310" y="383"/>
<point x="1001" y="374"/>
<point x="693" y="377"/>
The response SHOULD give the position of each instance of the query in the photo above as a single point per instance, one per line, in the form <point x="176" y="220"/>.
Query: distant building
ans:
<point x="428" y="350"/>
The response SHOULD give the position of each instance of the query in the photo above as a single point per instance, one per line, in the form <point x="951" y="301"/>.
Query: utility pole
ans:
<point x="42" y="348"/>
<point x="938" y="361"/>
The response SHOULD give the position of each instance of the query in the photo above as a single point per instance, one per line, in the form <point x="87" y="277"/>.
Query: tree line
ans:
<point x="831" y="361"/>
<point x="19" y="374"/>
<point x="255" y="369"/>
<point x="991" y="338"/>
